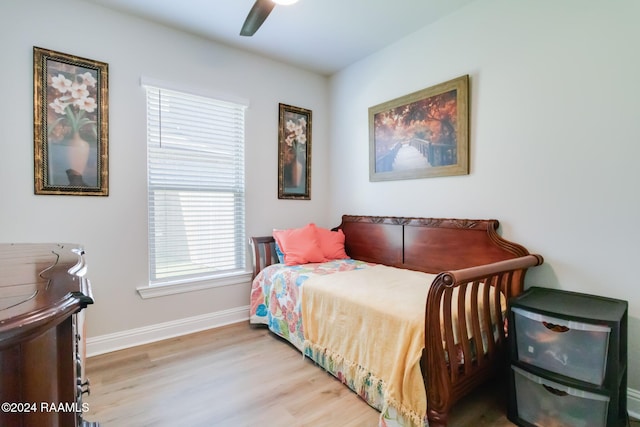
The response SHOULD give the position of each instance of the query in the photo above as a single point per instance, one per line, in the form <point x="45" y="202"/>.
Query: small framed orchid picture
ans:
<point x="294" y="153"/>
<point x="71" y="124"/>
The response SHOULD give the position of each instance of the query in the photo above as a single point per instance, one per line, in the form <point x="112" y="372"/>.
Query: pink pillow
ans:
<point x="299" y="245"/>
<point x="331" y="243"/>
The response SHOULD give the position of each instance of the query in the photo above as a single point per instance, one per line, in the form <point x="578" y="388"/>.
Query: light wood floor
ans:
<point x="238" y="376"/>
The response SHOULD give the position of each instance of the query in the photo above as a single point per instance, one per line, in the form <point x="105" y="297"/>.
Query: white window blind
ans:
<point x="196" y="186"/>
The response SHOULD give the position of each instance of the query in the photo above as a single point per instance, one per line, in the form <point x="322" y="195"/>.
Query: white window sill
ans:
<point x="154" y="291"/>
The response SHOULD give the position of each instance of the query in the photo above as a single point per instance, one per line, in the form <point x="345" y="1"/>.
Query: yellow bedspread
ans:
<point x="373" y="319"/>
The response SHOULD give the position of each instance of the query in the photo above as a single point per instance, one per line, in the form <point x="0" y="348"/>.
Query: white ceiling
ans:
<point x="320" y="35"/>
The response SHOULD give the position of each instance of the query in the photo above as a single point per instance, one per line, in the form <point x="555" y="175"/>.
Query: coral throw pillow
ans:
<point x="331" y="243"/>
<point x="299" y="245"/>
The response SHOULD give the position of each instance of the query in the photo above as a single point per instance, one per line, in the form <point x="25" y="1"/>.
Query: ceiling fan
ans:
<point x="258" y="13"/>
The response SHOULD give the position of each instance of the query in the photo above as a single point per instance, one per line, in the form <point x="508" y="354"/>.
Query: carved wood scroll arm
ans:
<point x="451" y="366"/>
<point x="465" y="275"/>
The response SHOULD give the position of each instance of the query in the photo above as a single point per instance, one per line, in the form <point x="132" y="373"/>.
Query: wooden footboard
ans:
<point x="466" y="363"/>
<point x="477" y="272"/>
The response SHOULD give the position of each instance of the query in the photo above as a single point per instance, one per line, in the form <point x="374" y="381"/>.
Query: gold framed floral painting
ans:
<point x="71" y="125"/>
<point x="294" y="153"/>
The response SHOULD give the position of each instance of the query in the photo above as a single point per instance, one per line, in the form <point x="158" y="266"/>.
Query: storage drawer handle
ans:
<point x="555" y="328"/>
<point x="555" y="391"/>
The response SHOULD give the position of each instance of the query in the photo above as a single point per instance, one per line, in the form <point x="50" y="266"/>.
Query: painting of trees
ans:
<point x="431" y="119"/>
<point x="431" y="124"/>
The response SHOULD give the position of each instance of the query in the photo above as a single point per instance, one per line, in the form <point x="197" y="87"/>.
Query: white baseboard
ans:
<point x="147" y="334"/>
<point x="633" y="403"/>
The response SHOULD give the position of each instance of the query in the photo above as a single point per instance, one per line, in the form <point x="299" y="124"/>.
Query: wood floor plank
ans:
<point x="240" y="375"/>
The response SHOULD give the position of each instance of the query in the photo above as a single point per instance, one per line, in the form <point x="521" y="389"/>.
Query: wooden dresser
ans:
<point x="43" y="292"/>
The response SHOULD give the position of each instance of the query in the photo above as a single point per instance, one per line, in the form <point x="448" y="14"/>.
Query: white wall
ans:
<point x="114" y="228"/>
<point x="555" y="136"/>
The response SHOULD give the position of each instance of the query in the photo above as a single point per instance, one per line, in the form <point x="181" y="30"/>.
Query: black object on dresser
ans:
<point x="43" y="292"/>
<point x="568" y="359"/>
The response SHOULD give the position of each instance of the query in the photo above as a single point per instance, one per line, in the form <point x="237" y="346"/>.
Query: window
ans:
<point x="196" y="187"/>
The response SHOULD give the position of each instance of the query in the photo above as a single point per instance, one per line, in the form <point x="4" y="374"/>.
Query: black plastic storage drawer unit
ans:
<point x="568" y="359"/>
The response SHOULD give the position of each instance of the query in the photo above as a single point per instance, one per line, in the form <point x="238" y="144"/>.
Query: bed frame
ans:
<point x="463" y="253"/>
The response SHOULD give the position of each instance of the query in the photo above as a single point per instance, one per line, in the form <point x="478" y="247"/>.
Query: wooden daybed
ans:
<point x="463" y="255"/>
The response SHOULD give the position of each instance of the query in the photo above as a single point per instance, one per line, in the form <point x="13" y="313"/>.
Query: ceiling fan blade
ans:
<point x="258" y="13"/>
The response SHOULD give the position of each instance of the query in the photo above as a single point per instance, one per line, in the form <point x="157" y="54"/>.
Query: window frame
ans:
<point x="208" y="280"/>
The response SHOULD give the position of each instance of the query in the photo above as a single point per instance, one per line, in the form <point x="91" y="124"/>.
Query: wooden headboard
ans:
<point x="431" y="245"/>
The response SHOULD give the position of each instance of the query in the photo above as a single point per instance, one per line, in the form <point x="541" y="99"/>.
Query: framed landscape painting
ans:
<point x="420" y="135"/>
<point x="71" y="124"/>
